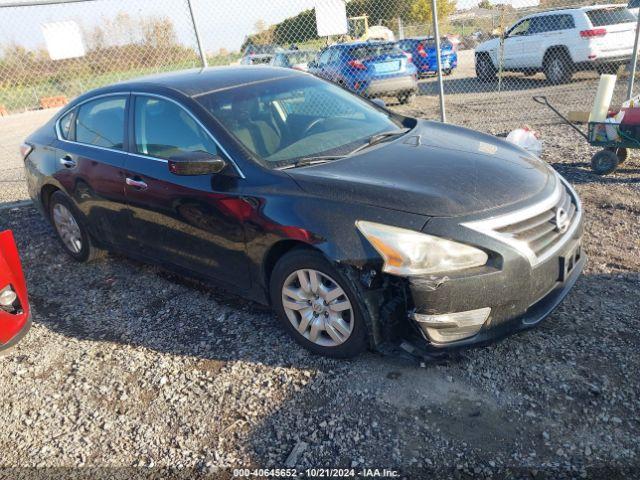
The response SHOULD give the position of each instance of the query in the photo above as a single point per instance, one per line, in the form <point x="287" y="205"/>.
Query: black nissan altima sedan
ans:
<point x="359" y="226"/>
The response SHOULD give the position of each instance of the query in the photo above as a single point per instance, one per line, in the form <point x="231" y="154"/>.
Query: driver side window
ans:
<point x="164" y="129"/>
<point x="520" y="29"/>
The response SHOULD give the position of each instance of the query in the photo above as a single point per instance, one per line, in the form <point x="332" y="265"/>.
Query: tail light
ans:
<point x="421" y="51"/>
<point x="594" y="32"/>
<point x="357" y="65"/>
<point x="409" y="57"/>
<point x="25" y="150"/>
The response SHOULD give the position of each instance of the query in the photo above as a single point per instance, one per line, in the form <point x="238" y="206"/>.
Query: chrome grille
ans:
<point x="540" y="230"/>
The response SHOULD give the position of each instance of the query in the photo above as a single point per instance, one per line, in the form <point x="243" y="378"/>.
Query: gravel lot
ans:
<point x="129" y="366"/>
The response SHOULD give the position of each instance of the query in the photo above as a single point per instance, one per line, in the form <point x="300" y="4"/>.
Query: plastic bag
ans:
<point x="527" y="139"/>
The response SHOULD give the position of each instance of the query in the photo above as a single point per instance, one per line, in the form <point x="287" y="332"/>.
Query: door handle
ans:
<point x="139" y="184"/>
<point x="67" y="162"/>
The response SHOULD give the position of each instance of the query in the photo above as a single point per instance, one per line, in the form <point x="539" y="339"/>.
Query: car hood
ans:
<point x="488" y="45"/>
<point x="435" y="170"/>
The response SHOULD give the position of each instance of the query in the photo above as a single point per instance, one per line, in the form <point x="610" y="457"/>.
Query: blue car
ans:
<point x="371" y="69"/>
<point x="423" y="52"/>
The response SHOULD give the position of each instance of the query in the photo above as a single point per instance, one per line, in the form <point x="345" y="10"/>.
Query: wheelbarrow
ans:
<point x="614" y="153"/>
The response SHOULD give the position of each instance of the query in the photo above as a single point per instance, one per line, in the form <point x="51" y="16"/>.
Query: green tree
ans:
<point x="486" y="4"/>
<point x="421" y="11"/>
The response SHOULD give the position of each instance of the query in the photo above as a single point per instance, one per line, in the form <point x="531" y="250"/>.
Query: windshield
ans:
<point x="286" y="119"/>
<point x="300" y="57"/>
<point x="374" y="50"/>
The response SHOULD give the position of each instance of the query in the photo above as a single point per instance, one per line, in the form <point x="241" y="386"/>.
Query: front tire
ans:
<point x="485" y="69"/>
<point x="317" y="305"/>
<point x="71" y="230"/>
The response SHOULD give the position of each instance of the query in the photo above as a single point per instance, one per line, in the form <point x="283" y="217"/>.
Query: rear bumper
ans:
<point x="391" y="86"/>
<point x="431" y="66"/>
<point x="519" y="296"/>
<point x="613" y="58"/>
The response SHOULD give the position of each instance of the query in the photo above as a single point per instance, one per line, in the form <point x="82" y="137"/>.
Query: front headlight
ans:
<point x="406" y="252"/>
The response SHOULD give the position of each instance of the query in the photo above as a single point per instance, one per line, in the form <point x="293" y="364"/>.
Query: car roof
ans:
<point x="360" y="43"/>
<point x="288" y="52"/>
<point x="203" y="80"/>
<point x="577" y="9"/>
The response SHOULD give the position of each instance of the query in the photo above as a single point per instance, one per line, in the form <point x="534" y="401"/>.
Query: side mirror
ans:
<point x="380" y="102"/>
<point x="196" y="163"/>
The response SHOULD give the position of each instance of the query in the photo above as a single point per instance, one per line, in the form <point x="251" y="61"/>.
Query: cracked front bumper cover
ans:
<point x="516" y="303"/>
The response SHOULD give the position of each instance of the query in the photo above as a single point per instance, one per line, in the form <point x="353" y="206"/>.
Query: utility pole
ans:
<point x="436" y="30"/>
<point x="203" y="55"/>
<point x="634" y="61"/>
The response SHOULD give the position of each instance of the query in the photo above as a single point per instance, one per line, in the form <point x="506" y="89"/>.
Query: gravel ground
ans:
<point x="129" y="366"/>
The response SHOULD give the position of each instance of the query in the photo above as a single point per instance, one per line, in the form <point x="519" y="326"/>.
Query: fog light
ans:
<point x="7" y="296"/>
<point x="449" y="327"/>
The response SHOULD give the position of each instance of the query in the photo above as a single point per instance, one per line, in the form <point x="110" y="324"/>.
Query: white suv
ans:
<point x="561" y="42"/>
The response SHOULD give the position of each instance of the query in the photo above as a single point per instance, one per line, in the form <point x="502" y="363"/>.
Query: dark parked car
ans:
<point x="296" y="59"/>
<point x="356" y="224"/>
<point x="423" y="52"/>
<point x="256" y="59"/>
<point x="371" y="69"/>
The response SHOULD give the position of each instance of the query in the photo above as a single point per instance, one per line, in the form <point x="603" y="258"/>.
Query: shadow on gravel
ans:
<point x="499" y="405"/>
<point x="580" y="173"/>
<point x="510" y="398"/>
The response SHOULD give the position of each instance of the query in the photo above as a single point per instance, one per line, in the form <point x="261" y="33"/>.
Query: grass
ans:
<point x="19" y="98"/>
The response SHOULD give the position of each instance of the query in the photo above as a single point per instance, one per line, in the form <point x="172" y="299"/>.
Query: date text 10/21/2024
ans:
<point x="316" y="473"/>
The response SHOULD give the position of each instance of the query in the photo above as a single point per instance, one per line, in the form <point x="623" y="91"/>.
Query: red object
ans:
<point x="631" y="116"/>
<point x="594" y="32"/>
<point x="357" y="64"/>
<point x="13" y="326"/>
<point x="421" y="51"/>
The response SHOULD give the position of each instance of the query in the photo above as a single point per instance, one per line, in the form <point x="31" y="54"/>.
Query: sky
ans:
<point x="222" y="23"/>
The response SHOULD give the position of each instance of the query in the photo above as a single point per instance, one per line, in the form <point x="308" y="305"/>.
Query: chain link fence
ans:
<point x="494" y="56"/>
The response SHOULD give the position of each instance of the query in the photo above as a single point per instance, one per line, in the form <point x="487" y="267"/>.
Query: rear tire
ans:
<point x="558" y="67"/>
<point x="71" y="230"/>
<point x="485" y="69"/>
<point x="317" y="308"/>
<point x="604" y="162"/>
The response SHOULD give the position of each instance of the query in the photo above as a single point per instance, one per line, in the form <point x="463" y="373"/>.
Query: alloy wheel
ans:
<point x="317" y="307"/>
<point x="67" y="228"/>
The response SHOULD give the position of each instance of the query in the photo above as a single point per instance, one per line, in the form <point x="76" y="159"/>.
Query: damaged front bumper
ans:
<point x="456" y="312"/>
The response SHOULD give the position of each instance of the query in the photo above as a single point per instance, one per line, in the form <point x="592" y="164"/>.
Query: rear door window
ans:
<point x="65" y="124"/>
<point x="324" y="56"/>
<point x="101" y="122"/>
<point x="610" y="16"/>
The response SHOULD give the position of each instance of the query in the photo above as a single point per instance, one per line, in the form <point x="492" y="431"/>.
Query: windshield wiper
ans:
<point x="379" y="138"/>
<point x="306" y="161"/>
<point x="373" y="140"/>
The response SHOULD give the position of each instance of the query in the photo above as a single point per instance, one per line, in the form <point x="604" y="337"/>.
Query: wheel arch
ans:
<point x="558" y="50"/>
<point x="46" y="192"/>
<point x="276" y="252"/>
